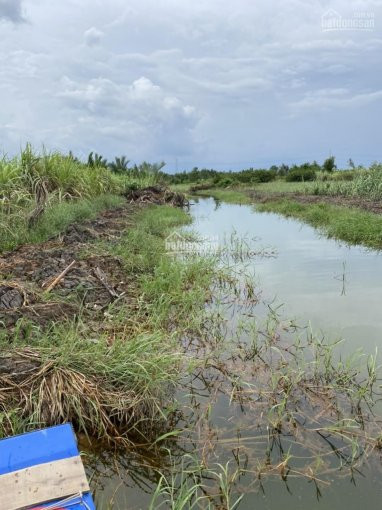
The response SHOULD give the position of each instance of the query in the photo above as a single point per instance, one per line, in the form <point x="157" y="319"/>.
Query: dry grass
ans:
<point x="45" y="391"/>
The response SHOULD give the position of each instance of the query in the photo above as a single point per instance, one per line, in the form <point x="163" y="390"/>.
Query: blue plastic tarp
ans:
<point x="39" y="447"/>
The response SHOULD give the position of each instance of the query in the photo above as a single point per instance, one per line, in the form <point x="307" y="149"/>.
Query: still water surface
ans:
<point x="307" y="276"/>
<point x="338" y="289"/>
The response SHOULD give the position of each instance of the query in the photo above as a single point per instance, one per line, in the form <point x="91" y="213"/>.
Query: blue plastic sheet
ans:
<point x="38" y="447"/>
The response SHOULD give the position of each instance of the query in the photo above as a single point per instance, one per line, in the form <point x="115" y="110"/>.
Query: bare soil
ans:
<point x="93" y="282"/>
<point x="374" y="206"/>
<point x="33" y="285"/>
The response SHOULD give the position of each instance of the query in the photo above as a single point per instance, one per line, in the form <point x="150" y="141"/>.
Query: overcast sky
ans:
<point x="216" y="83"/>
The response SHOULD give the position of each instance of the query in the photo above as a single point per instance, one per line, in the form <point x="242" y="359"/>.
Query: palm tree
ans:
<point x="96" y="160"/>
<point x="119" y="165"/>
<point x="151" y="168"/>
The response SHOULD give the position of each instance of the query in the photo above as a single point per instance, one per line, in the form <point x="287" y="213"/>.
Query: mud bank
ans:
<point x="80" y="338"/>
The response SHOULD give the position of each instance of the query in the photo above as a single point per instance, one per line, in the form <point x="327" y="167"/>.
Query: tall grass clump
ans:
<point x="43" y="188"/>
<point x="62" y="175"/>
<point x="366" y="183"/>
<point x="106" y="390"/>
<point x="185" y="488"/>
<point x="37" y="191"/>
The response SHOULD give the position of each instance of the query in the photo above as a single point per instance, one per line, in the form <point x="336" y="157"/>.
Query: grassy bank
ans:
<point x="351" y="225"/>
<point x="113" y="374"/>
<point x="280" y="186"/>
<point x="231" y="196"/>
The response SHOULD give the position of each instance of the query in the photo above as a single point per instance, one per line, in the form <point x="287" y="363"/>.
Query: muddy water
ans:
<point x="338" y="289"/>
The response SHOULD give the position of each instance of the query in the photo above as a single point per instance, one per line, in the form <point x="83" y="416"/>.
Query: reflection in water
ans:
<point x="342" y="278"/>
<point x="276" y="423"/>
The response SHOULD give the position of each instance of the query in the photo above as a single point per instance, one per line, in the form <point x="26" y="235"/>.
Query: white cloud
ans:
<point x="141" y="114"/>
<point x="205" y="82"/>
<point x="329" y="99"/>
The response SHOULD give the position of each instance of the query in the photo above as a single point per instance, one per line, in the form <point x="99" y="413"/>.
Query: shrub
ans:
<point x="301" y="174"/>
<point x="264" y="175"/>
<point x="224" y="182"/>
<point x="329" y="164"/>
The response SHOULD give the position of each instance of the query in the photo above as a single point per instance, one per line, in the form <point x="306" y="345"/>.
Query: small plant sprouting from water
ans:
<point x="304" y="410"/>
<point x="190" y="486"/>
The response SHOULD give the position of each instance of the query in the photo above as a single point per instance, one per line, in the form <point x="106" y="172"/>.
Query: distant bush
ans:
<point x="357" y="181"/>
<point x="196" y="175"/>
<point x="224" y="182"/>
<point x="264" y="176"/>
<point x="301" y="174"/>
<point x="218" y="179"/>
<point x="283" y="169"/>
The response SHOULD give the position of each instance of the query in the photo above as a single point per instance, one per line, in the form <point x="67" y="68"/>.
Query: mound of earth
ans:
<point x="156" y="195"/>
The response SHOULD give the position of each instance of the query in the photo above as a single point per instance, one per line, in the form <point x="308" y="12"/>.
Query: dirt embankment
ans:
<point x="374" y="206"/>
<point x="28" y="273"/>
<point x="68" y="275"/>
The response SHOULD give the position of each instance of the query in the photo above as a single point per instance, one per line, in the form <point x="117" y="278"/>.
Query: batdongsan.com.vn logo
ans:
<point x="332" y="20"/>
<point x="178" y="243"/>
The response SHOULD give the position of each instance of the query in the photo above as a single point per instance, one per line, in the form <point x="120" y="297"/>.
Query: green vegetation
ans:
<point x="40" y="194"/>
<point x="162" y="278"/>
<point x="351" y="225"/>
<point x="114" y="370"/>
<point x="231" y="196"/>
<point x="277" y="186"/>
<point x="329" y="164"/>
<point x="114" y="382"/>
<point x="281" y="186"/>
<point x="310" y="178"/>
<point x="365" y="184"/>
<point x="301" y="175"/>
<point x="15" y="230"/>
<point x="184" y="488"/>
<point x="88" y="382"/>
<point x="305" y="172"/>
